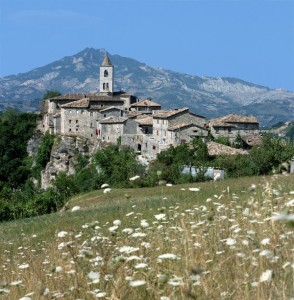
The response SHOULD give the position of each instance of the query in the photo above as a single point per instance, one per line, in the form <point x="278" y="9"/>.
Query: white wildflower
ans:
<point x="117" y="222"/>
<point x="267" y="253"/>
<point x="177" y="281"/>
<point x="128" y="230"/>
<point x="284" y="217"/>
<point x="167" y="256"/>
<point x="16" y="282"/>
<point x="134" y="178"/>
<point x="137" y="283"/>
<point x="107" y="190"/>
<point x="104" y="185"/>
<point x="128" y="249"/>
<point x="62" y="234"/>
<point x="144" y="224"/>
<point x="230" y="241"/>
<point x="141" y="266"/>
<point x="146" y="245"/>
<point x="58" y="269"/>
<point x="138" y="234"/>
<point x="25" y="298"/>
<point x="113" y="228"/>
<point x="94" y="277"/>
<point x="129" y="214"/>
<point x="266" y="276"/>
<point x="290" y="203"/>
<point x="194" y="189"/>
<point x="75" y="208"/>
<point x="24" y="266"/>
<point x="265" y="241"/>
<point x="160" y="217"/>
<point x="169" y="184"/>
<point x="100" y="294"/>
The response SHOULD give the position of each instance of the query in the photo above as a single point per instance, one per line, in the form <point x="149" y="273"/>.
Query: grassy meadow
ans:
<point x="213" y="240"/>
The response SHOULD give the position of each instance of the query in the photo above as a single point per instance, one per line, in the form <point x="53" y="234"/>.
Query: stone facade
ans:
<point x="231" y="126"/>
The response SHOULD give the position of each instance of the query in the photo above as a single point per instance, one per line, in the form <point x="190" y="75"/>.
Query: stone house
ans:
<point x="172" y="127"/>
<point x="232" y="125"/>
<point x="146" y="106"/>
<point x="163" y="128"/>
<point x="111" y="128"/>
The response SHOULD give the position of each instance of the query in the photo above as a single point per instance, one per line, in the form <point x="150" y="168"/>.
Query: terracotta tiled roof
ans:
<point x="222" y="124"/>
<point x="233" y="118"/>
<point x="99" y="97"/>
<point x="146" y="102"/>
<point x="110" y="107"/>
<point x="134" y="114"/>
<point x="215" y="149"/>
<point x="85" y="102"/>
<point x="145" y="120"/>
<point x="252" y="140"/>
<point x="182" y="125"/>
<point x="168" y="113"/>
<point x="113" y="119"/>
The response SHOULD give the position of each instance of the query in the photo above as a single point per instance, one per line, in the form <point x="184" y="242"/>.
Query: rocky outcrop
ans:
<point x="64" y="157"/>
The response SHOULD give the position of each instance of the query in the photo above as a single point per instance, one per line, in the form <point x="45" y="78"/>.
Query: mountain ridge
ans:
<point x="208" y="96"/>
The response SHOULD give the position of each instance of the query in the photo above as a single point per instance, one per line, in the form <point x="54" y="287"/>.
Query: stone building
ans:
<point x="163" y="128"/>
<point x="232" y="125"/>
<point x="60" y="112"/>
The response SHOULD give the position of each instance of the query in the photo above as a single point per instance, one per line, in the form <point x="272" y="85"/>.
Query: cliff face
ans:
<point x="64" y="157"/>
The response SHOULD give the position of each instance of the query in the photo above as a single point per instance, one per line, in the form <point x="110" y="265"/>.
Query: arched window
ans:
<point x="103" y="86"/>
<point x="105" y="73"/>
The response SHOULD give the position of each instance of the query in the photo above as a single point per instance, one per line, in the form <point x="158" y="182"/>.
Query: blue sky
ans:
<point x="249" y="39"/>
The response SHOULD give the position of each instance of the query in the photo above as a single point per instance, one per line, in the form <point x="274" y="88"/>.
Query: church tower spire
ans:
<point x="106" y="76"/>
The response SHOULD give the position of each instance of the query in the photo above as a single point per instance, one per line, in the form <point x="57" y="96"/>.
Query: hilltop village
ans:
<point x="141" y="125"/>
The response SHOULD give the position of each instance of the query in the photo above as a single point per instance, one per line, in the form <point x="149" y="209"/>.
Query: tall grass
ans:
<point x="162" y="243"/>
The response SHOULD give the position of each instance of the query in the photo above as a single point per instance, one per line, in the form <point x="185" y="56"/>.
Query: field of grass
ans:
<point x="213" y="240"/>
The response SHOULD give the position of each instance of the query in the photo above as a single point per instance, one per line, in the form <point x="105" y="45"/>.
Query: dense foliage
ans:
<point x="16" y="129"/>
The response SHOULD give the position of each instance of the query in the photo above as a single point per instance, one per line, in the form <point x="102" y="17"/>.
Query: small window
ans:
<point x="91" y="125"/>
<point x="105" y="73"/>
<point x="154" y="147"/>
<point x="77" y="121"/>
<point x="77" y="129"/>
<point x="230" y="130"/>
<point x="104" y="115"/>
<point x="69" y="129"/>
<point x="69" y="121"/>
<point x="157" y="132"/>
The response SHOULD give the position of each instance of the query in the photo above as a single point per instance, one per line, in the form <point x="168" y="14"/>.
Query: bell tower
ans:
<point x="106" y="76"/>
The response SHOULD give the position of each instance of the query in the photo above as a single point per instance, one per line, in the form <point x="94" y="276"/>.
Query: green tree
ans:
<point x="51" y="94"/>
<point x="16" y="129"/>
<point x="116" y="166"/>
<point x="43" y="154"/>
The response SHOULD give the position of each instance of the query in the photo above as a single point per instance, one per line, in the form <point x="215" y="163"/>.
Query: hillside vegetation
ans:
<point x="212" y="240"/>
<point x="21" y="195"/>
